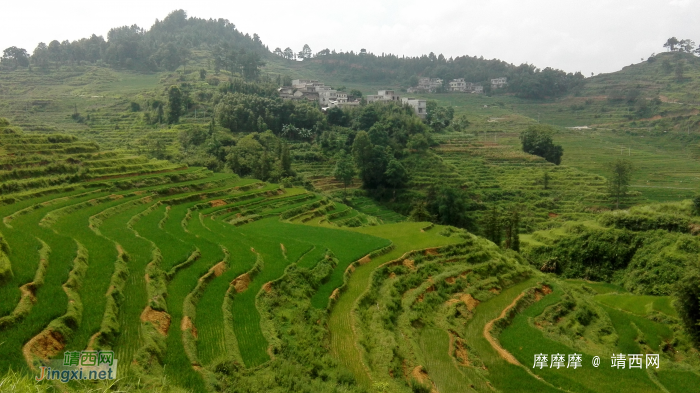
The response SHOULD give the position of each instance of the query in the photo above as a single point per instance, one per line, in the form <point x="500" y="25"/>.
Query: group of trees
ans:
<point x="525" y="80"/>
<point x="289" y="54"/>
<point x="241" y="112"/>
<point x="496" y="224"/>
<point x="165" y="46"/>
<point x="14" y="57"/>
<point x="537" y="140"/>
<point x="673" y="44"/>
<point x="236" y="61"/>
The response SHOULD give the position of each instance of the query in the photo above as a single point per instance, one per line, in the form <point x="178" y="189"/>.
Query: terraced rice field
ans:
<point x="177" y="270"/>
<point x="122" y="255"/>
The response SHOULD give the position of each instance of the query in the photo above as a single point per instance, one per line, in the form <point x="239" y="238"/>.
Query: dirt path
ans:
<point x="507" y="356"/>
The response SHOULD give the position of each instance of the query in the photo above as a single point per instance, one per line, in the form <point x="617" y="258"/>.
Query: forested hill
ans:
<point x="170" y="43"/>
<point x="525" y="80"/>
<point x="166" y="46"/>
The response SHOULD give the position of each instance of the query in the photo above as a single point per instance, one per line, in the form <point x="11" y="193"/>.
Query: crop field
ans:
<point x="201" y="280"/>
<point x="525" y="337"/>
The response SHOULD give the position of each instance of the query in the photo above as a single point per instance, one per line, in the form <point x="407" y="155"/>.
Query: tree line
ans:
<point x="166" y="46"/>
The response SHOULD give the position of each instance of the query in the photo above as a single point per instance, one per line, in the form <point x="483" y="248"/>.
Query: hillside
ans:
<point x="159" y="200"/>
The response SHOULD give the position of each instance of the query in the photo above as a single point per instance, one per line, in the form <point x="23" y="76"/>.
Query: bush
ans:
<point x="688" y="302"/>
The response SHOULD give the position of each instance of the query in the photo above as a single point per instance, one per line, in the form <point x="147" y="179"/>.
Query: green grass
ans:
<point x="135" y="297"/>
<point x="210" y="324"/>
<point x="637" y="304"/>
<point x="524" y="341"/>
<point x="405" y="237"/>
<point x="678" y="381"/>
<point x="628" y="327"/>
<point x="174" y="251"/>
<point x="347" y="246"/>
<point x="435" y="346"/>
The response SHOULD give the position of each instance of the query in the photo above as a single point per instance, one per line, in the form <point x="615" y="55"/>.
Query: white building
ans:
<point x="426" y="85"/>
<point x="326" y="96"/>
<point x="458" y="85"/>
<point x="383" y="95"/>
<point x="497" y="83"/>
<point x="419" y="106"/>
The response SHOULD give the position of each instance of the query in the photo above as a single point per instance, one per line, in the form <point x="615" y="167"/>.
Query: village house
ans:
<point x="497" y="83"/>
<point x="461" y="85"/>
<point x="458" y="85"/>
<point x="383" y="95"/>
<point x="313" y="90"/>
<point x="426" y="85"/>
<point x="419" y="106"/>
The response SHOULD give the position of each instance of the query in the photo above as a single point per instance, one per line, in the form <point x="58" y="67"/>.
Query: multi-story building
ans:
<point x="458" y="85"/>
<point x="383" y="95"/>
<point x="419" y="106"/>
<point x="497" y="83"/>
<point x="426" y="85"/>
<point x="465" y="87"/>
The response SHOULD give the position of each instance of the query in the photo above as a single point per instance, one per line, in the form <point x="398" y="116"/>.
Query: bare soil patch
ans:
<point x="219" y="268"/>
<point x="44" y="345"/>
<point x="507" y="356"/>
<point x="409" y="263"/>
<point x="267" y="287"/>
<point x="460" y="351"/>
<point x="217" y="203"/>
<point x="159" y="319"/>
<point x="187" y="324"/>
<point x="432" y="251"/>
<point x="241" y="282"/>
<point x="365" y="260"/>
<point x="469" y="301"/>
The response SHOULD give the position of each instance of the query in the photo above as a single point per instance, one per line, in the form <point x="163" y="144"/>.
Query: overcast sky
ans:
<point x="587" y="36"/>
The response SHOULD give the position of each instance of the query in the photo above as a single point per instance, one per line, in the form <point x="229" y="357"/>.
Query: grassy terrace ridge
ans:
<point x="522" y="338"/>
<point x="405" y="237"/>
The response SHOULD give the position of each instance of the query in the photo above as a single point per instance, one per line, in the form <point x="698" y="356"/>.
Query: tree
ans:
<point x="696" y="205"/>
<point x="512" y="229"/>
<point x="288" y="53"/>
<point x="686" y="45"/>
<point x="344" y="170"/>
<point x="15" y="57"/>
<point x="450" y="206"/>
<point x="249" y="64"/>
<point x="619" y="180"/>
<point x="492" y="226"/>
<point x="174" y="104"/>
<point x="688" y="302"/>
<point x="159" y="114"/>
<point x="286" y="161"/>
<point x="306" y="52"/>
<point x="278" y="52"/>
<point x="371" y="160"/>
<point x="515" y="232"/>
<point x="537" y="140"/>
<point x="671" y="43"/>
<point x="420" y="213"/>
<point x="418" y="142"/>
<point x="546" y="180"/>
<point x="395" y="175"/>
<point x="202" y="74"/>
